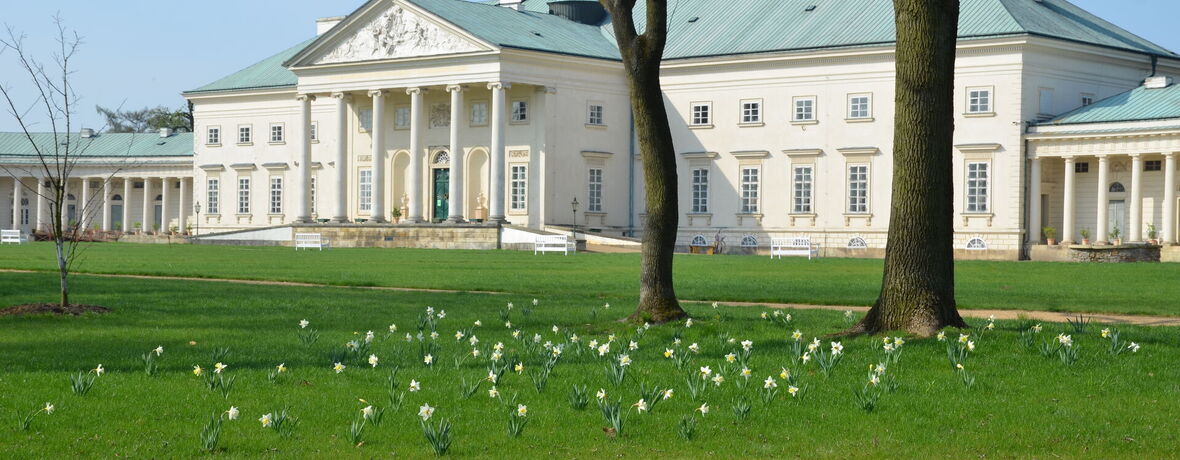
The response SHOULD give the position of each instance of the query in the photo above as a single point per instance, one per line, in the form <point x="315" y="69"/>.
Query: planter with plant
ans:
<point x="188" y="229"/>
<point x="397" y="215"/>
<point x="1116" y="236"/>
<point x="1085" y="236"/>
<point x="1152" y="234"/>
<point x="1050" y="235"/>
<point x="138" y="227"/>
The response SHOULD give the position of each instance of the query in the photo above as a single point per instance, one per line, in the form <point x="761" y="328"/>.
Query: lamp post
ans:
<point x="574" y="204"/>
<point x="197" y="211"/>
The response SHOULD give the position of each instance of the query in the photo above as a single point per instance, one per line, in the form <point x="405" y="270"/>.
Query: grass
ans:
<point x="1022" y="404"/>
<point x="1094" y="288"/>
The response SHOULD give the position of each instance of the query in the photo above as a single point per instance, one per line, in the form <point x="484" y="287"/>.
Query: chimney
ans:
<point x="325" y="24"/>
<point x="165" y="132"/>
<point x="1157" y="82"/>
<point x="514" y="4"/>
<point x="87" y="133"/>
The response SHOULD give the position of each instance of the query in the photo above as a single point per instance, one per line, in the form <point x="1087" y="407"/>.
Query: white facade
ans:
<point x="794" y="143"/>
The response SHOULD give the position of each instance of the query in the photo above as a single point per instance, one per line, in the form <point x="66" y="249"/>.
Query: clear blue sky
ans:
<point x="145" y="52"/>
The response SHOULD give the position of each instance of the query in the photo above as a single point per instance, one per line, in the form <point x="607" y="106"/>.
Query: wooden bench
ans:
<point x="553" y="243"/>
<point x="13" y="237"/>
<point x="310" y="241"/>
<point x="799" y="246"/>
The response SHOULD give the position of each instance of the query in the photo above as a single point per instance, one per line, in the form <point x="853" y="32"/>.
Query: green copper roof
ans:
<point x="269" y="73"/>
<point x="700" y="28"/>
<point x="1138" y="104"/>
<point x="139" y="145"/>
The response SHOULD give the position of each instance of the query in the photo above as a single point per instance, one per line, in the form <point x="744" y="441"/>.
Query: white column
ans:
<point x="146" y="220"/>
<point x="1135" y="226"/>
<point x="185" y="205"/>
<point x="16" y="192"/>
<point x="106" y="204"/>
<point x="1034" y="202"/>
<point x="498" y="122"/>
<point x="1169" y="223"/>
<point x="415" y="188"/>
<point x="84" y="207"/>
<point x="340" y="213"/>
<point x="127" y="185"/>
<point x="64" y="206"/>
<point x="303" y="184"/>
<point x="378" y="131"/>
<point x="1067" y="235"/>
<point x="1100" y="230"/>
<point x="455" y="207"/>
<point x="41" y="221"/>
<point x="165" y="187"/>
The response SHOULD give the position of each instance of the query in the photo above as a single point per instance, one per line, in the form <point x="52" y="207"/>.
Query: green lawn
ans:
<point x="1124" y="288"/>
<point x="1022" y="404"/>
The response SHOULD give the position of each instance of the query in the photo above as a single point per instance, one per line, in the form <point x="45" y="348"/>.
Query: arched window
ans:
<point x="699" y="240"/>
<point x="70" y="197"/>
<point x="116" y="197"/>
<point x="1117" y="187"/>
<point x="857" y="243"/>
<point x="159" y="197"/>
<point x="749" y="241"/>
<point x="442" y="158"/>
<point x="976" y="244"/>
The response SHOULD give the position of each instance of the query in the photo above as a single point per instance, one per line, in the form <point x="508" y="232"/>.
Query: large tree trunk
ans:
<point x="918" y="287"/>
<point x="641" y="54"/>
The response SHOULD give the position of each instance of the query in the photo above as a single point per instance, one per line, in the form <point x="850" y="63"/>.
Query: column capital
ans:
<point x="1068" y="159"/>
<point x="305" y="97"/>
<point x="1103" y="158"/>
<point x="376" y="92"/>
<point x="415" y="90"/>
<point x="454" y="88"/>
<point x="1135" y="156"/>
<point x="1170" y="154"/>
<point x="547" y="89"/>
<point x="499" y="85"/>
<point x="340" y="95"/>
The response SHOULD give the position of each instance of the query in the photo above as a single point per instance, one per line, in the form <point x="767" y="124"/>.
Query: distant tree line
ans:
<point x="147" y="119"/>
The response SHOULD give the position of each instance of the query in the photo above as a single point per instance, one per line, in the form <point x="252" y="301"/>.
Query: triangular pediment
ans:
<point x="390" y="30"/>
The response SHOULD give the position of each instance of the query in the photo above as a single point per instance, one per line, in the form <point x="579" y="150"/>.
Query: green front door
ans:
<point x="442" y="193"/>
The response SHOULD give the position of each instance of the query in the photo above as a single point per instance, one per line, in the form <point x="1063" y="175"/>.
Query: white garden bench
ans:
<point x="553" y="243"/>
<point x="310" y="241"/>
<point x="799" y="246"/>
<point x="13" y="237"/>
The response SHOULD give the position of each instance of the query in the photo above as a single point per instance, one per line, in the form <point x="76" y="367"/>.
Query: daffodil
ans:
<point x="266" y="420"/>
<point x="1036" y="328"/>
<point x="1106" y="333"/>
<point x="198" y="371"/>
<point x="281" y="368"/>
<point x="963" y="338"/>
<point x="475" y="352"/>
<point x="367" y="412"/>
<point x="478" y="323"/>
<point x="640" y="406"/>
<point x="941" y="336"/>
<point x="232" y="413"/>
<point x="668" y="394"/>
<point x="493" y="393"/>
<point x="98" y="370"/>
<point x="688" y="322"/>
<point x="369" y="336"/>
<point x="442" y="314"/>
<point x="765" y="315"/>
<point x="392" y="328"/>
<point x="769" y="383"/>
<point x="338" y="367"/>
<point x="425" y="411"/>
<point x="415" y="386"/>
<point x="159" y="350"/>
<point x="970" y="345"/>
<point x="806" y="357"/>
<point x="694" y="348"/>
<point x="518" y="368"/>
<point x="897" y="341"/>
<point x="556" y="329"/>
<point x="706" y="372"/>
<point x="668" y="352"/>
<point x="730" y="357"/>
<point x="1134" y="347"/>
<point x="784" y="374"/>
<point x="746" y="372"/>
<point x="601" y="394"/>
<point x="718" y="379"/>
<point x="373" y="360"/>
<point x="303" y="324"/>
<point x="48" y="408"/>
<point x="498" y="346"/>
<point x="837" y="348"/>
<point x="458" y="335"/>
<point x="704" y="409"/>
<point x="633" y="345"/>
<point x="747" y="345"/>
<point x="797" y="335"/>
<point x="219" y="368"/>
<point x="473" y="341"/>
<point x="428" y="359"/>
<point x="624" y="360"/>
<point x="522" y="410"/>
<point x="793" y="390"/>
<point x="874" y="380"/>
<point x="433" y="335"/>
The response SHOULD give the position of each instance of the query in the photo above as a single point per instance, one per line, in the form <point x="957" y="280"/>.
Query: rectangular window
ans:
<point x="750" y="188"/>
<point x="978" y="184"/>
<point x="213" y="196"/>
<point x="594" y="203"/>
<point x="519" y="188"/>
<point x="315" y="131"/>
<point x="860" y="106"/>
<point x="276" y="133"/>
<point x="1045" y="98"/>
<point x="804" y="109"/>
<point x="276" y="195"/>
<point x="520" y="111"/>
<point x="802" y="188"/>
<point x="24" y="216"/>
<point x="700" y="190"/>
<point x="401" y="117"/>
<point x="313" y="195"/>
<point x="366" y="119"/>
<point x="979" y="100"/>
<point x="702" y="113"/>
<point x="1153" y="165"/>
<point x="1087" y="99"/>
<point x="245" y="136"/>
<point x="752" y="111"/>
<point x="479" y="113"/>
<point x="1081" y="167"/>
<point x="858" y="189"/>
<point x="365" y="192"/>
<point x="243" y="195"/>
<point x="594" y="114"/>
<point x="213" y="135"/>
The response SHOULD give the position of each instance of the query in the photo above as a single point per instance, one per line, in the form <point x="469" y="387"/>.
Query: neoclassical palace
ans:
<point x="449" y="111"/>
